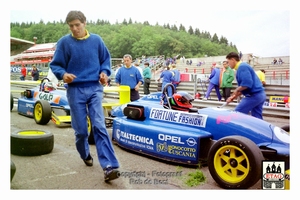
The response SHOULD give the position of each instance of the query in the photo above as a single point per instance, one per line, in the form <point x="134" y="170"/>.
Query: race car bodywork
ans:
<point x="44" y="106"/>
<point x="53" y="105"/>
<point x="233" y="144"/>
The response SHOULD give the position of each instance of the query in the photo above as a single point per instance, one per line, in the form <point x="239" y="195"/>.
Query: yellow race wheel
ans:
<point x="42" y="112"/>
<point x="235" y="162"/>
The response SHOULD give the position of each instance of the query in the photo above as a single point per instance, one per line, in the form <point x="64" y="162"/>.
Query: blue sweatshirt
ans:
<point x="215" y="76"/>
<point x="167" y="76"/>
<point x="85" y="58"/>
<point x="246" y="76"/>
<point x="129" y="76"/>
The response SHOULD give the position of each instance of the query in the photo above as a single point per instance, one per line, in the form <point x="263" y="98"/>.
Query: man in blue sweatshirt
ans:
<point x="249" y="85"/>
<point x="82" y="60"/>
<point x="131" y="76"/>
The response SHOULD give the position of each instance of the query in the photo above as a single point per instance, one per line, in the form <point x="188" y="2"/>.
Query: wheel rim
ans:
<point x="38" y="112"/>
<point x="31" y="132"/>
<point x="231" y="164"/>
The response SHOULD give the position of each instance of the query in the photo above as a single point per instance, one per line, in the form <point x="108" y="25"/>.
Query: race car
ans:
<point x="47" y="102"/>
<point x="232" y="144"/>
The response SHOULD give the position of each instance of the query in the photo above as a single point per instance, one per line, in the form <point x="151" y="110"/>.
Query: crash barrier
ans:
<point x="280" y="76"/>
<point x="122" y="92"/>
<point x="271" y="90"/>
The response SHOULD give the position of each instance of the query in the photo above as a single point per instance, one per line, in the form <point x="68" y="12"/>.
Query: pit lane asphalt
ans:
<point x="63" y="169"/>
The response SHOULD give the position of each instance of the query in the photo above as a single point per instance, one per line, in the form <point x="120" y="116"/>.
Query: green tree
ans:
<point x="133" y="38"/>
<point x="215" y="39"/>
<point x="191" y="31"/>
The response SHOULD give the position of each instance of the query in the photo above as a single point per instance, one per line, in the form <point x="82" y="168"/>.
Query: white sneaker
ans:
<point x="204" y="99"/>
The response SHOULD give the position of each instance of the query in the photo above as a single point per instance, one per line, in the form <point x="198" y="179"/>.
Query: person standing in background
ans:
<point x="23" y="73"/>
<point x="83" y="62"/>
<point x="137" y="65"/>
<point x="167" y="77"/>
<point x="131" y="76"/>
<point x="35" y="73"/>
<point x="176" y="76"/>
<point x="241" y="55"/>
<point x="261" y="75"/>
<point x="227" y="78"/>
<point x="147" y="78"/>
<point x="214" y="79"/>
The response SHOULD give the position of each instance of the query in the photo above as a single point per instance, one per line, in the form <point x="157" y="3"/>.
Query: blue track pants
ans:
<point x="88" y="100"/>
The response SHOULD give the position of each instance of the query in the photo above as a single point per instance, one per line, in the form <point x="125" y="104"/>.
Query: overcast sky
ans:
<point x="263" y="30"/>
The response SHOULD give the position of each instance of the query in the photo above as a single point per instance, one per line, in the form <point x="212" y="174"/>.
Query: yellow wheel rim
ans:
<point x="38" y="111"/>
<point x="31" y="132"/>
<point x="231" y="164"/>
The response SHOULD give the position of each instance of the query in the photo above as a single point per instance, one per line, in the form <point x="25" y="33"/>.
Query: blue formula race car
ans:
<point x="47" y="102"/>
<point x="44" y="103"/>
<point x="231" y="143"/>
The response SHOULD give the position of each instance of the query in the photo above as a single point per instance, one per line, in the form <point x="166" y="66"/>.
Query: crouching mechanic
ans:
<point x="83" y="62"/>
<point x="249" y="85"/>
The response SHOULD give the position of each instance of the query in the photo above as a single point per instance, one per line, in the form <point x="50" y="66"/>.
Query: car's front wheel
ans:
<point x="42" y="112"/>
<point x="234" y="162"/>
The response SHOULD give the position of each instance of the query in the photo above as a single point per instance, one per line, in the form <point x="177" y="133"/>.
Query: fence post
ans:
<point x="195" y="84"/>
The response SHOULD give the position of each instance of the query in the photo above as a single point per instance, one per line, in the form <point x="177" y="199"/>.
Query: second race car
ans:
<point x="232" y="144"/>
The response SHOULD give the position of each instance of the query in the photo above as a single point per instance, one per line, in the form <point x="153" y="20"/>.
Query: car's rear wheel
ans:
<point x="234" y="162"/>
<point x="42" y="112"/>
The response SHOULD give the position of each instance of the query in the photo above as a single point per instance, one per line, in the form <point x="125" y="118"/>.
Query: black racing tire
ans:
<point x="13" y="170"/>
<point x="11" y="101"/>
<point x="235" y="162"/>
<point x="286" y="128"/>
<point x="42" y="112"/>
<point x="31" y="142"/>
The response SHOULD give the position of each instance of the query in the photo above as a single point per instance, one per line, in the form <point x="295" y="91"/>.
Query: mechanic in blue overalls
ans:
<point x="168" y="77"/>
<point x="82" y="60"/>
<point x="249" y="85"/>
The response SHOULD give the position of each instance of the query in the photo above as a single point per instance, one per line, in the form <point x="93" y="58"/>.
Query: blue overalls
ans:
<point x="88" y="100"/>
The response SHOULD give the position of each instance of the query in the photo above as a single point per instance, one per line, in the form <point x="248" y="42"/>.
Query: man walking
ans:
<point x="83" y="62"/>
<point x="213" y="82"/>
